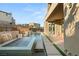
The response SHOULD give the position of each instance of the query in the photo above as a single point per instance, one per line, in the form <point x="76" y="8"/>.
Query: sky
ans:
<point x="24" y="13"/>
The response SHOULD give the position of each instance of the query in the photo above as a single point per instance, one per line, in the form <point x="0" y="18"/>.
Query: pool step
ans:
<point x="38" y="50"/>
<point x="39" y="45"/>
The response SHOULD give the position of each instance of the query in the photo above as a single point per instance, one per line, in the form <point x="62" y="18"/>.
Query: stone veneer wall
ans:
<point x="8" y="35"/>
<point x="71" y="26"/>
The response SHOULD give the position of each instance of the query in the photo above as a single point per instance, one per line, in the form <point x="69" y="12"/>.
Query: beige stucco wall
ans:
<point x="55" y="36"/>
<point x="6" y="21"/>
<point x="4" y="17"/>
<point x="71" y="26"/>
<point x="50" y="9"/>
<point x="46" y="28"/>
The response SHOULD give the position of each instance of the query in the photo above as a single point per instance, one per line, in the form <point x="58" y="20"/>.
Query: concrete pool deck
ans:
<point x="50" y="49"/>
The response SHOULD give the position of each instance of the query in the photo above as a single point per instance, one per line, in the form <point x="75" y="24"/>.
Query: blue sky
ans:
<point x="24" y="13"/>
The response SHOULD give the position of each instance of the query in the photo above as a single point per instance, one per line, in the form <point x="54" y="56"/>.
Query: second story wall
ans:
<point x="4" y="16"/>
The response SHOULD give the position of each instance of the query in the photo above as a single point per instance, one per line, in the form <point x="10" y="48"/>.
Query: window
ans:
<point x="7" y="14"/>
<point x="10" y="23"/>
<point x="50" y="28"/>
<point x="65" y="11"/>
<point x="53" y="28"/>
<point x="62" y="27"/>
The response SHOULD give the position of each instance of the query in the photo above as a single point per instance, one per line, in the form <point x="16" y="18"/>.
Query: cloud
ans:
<point x="39" y="13"/>
<point x="35" y="15"/>
<point x="33" y="11"/>
<point x="28" y="10"/>
<point x="39" y="17"/>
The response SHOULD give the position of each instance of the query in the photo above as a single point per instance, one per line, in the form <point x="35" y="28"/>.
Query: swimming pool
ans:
<point x="19" y="47"/>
